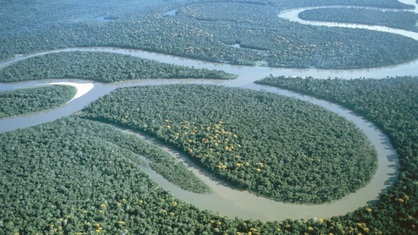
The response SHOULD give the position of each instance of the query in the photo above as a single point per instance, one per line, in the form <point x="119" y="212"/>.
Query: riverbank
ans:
<point x="82" y="88"/>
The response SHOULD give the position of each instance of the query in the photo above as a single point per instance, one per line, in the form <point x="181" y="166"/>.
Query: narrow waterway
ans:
<point x="224" y="199"/>
<point x="293" y="15"/>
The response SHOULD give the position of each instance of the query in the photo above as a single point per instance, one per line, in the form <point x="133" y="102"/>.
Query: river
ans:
<point x="222" y="198"/>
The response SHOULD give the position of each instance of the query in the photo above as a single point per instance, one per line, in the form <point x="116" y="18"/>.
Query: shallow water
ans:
<point x="171" y="13"/>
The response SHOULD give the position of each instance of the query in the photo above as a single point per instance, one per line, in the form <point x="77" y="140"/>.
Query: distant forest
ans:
<point x="102" y="67"/>
<point x="207" y="31"/>
<point x="402" y="20"/>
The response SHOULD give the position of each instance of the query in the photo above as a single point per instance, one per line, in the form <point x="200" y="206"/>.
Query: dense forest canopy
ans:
<point x="277" y="147"/>
<point x="395" y="213"/>
<point x="36" y="99"/>
<point x="265" y="39"/>
<point x="78" y="175"/>
<point x="393" y="105"/>
<point x="103" y="67"/>
<point x="402" y="20"/>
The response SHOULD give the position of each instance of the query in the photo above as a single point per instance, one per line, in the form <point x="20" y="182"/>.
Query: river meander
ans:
<point x="222" y="198"/>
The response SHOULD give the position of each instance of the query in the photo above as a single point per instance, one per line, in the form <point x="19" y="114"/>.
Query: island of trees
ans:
<point x="36" y="99"/>
<point x="103" y="67"/>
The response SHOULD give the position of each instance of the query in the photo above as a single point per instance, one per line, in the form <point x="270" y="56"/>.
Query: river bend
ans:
<point x="224" y="199"/>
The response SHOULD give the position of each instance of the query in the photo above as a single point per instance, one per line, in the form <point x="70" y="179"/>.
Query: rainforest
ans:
<point x="209" y="117"/>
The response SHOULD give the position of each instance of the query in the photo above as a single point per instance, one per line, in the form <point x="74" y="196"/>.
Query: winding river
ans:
<point x="222" y="198"/>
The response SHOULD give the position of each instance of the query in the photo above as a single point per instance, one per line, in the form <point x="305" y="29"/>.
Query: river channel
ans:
<point x="222" y="198"/>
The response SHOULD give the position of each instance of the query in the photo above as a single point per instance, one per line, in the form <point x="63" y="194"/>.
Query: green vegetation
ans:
<point x="161" y="161"/>
<point x="402" y="20"/>
<point x="393" y="105"/>
<point x="265" y="39"/>
<point x="373" y="3"/>
<point x="274" y="146"/>
<point x="36" y="99"/>
<point x="70" y="176"/>
<point x="207" y="30"/>
<point x="104" y="67"/>
<point x="61" y="177"/>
